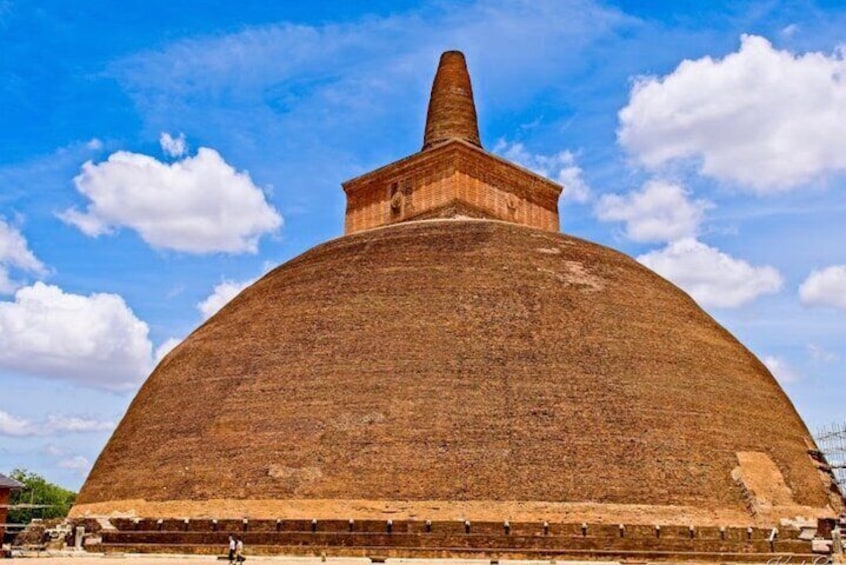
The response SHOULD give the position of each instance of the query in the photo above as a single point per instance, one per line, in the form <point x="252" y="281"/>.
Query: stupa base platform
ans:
<point x="379" y="540"/>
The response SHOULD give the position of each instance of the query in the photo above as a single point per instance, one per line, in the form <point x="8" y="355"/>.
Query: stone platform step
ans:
<point x="448" y="544"/>
<point x="380" y="553"/>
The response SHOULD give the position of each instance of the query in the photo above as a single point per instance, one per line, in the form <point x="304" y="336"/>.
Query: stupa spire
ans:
<point x="452" y="112"/>
<point x="453" y="176"/>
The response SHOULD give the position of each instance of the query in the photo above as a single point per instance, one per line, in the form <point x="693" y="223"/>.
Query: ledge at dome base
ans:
<point x="483" y="511"/>
<point x="450" y="540"/>
<point x="481" y="557"/>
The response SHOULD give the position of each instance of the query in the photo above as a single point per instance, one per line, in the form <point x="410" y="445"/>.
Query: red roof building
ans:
<point x="7" y="485"/>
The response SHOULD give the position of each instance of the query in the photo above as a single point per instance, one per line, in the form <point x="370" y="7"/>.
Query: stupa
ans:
<point x="454" y="364"/>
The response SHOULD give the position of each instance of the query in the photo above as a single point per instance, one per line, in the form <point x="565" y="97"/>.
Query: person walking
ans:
<point x="232" y="547"/>
<point x="239" y="551"/>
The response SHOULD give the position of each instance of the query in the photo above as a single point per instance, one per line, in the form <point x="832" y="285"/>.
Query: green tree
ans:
<point x="38" y="491"/>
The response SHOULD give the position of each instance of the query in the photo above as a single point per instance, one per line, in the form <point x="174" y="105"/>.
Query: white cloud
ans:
<point x="223" y="293"/>
<point x="75" y="424"/>
<point x="826" y="287"/>
<point x="13" y="426"/>
<point x="820" y="354"/>
<point x="94" y="340"/>
<point x="710" y="276"/>
<point x="790" y="30"/>
<point x="765" y="118"/>
<point x="173" y="146"/>
<point x="15" y="253"/>
<point x="560" y="167"/>
<point x="53" y="450"/>
<point x="76" y="463"/>
<point x="781" y="370"/>
<point x="661" y="211"/>
<point x="199" y="204"/>
<point x="166" y="347"/>
<point x="54" y="424"/>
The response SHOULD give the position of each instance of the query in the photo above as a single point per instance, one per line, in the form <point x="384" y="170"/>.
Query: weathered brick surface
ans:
<point x="458" y="369"/>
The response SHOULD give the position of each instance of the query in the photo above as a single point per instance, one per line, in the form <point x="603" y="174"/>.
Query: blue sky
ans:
<point x="154" y="159"/>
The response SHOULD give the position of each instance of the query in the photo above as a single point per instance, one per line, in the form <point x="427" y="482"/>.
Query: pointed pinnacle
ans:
<point x="452" y="112"/>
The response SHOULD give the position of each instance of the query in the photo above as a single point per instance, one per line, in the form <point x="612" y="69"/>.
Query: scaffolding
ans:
<point x="832" y="442"/>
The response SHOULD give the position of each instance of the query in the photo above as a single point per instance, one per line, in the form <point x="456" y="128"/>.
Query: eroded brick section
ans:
<point x="449" y="179"/>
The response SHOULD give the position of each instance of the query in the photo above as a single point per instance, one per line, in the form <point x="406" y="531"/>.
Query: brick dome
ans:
<point x="449" y="368"/>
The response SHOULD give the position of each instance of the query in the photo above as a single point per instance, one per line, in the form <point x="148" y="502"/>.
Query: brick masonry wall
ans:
<point x="434" y="183"/>
<point x="426" y="539"/>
